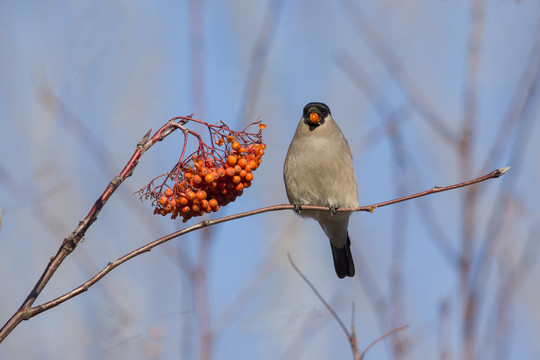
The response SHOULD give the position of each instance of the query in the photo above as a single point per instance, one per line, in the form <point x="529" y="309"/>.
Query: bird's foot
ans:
<point x="333" y="210"/>
<point x="297" y="208"/>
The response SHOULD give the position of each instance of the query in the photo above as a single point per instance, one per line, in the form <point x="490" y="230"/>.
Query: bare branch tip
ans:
<point x="501" y="171"/>
<point x="144" y="139"/>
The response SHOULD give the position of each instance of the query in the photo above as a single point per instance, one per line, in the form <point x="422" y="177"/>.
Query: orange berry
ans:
<point x="204" y="204"/>
<point x="163" y="200"/>
<point x="183" y="201"/>
<point x="172" y="203"/>
<point x="168" y="192"/>
<point x="213" y="203"/>
<point x="262" y="126"/>
<point x="195" y="207"/>
<point x="247" y="184"/>
<point x="184" y="210"/>
<point x="215" y="208"/>
<point x="201" y="194"/>
<point x="235" y="145"/>
<point x="203" y="171"/>
<point x="221" y="172"/>
<point x="230" y="138"/>
<point x="199" y="163"/>
<point x="237" y="169"/>
<point x="239" y="186"/>
<point x="231" y="160"/>
<point x="242" y="150"/>
<point x="236" y="179"/>
<point x="209" y="162"/>
<point x="249" y="177"/>
<point x="242" y="162"/>
<point x="197" y="179"/>
<point x="209" y="178"/>
<point x="242" y="173"/>
<point x="230" y="171"/>
<point x="188" y="176"/>
<point x="190" y="195"/>
<point x="252" y="164"/>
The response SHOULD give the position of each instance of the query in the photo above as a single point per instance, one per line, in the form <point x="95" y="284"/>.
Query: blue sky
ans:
<point x="81" y="83"/>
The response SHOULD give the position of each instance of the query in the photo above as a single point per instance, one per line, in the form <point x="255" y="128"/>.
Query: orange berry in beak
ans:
<point x="314" y="117"/>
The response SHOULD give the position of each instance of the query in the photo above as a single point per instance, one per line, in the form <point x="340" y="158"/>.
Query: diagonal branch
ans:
<point x="332" y="311"/>
<point x="351" y="336"/>
<point x="70" y="243"/>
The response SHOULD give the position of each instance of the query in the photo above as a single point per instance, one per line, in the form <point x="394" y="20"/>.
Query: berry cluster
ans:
<point x="211" y="177"/>
<point x="206" y="185"/>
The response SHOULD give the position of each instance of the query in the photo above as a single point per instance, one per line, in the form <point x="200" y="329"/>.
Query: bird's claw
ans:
<point x="333" y="210"/>
<point x="297" y="208"/>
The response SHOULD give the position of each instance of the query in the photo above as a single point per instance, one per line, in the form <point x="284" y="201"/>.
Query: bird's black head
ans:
<point x="315" y="113"/>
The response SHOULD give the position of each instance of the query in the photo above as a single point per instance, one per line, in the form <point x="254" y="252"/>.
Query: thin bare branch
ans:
<point x="391" y="332"/>
<point x="345" y="330"/>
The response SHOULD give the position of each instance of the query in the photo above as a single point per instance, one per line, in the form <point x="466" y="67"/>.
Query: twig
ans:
<point x="391" y="332"/>
<point x="492" y="175"/>
<point x="350" y="335"/>
<point x="320" y="297"/>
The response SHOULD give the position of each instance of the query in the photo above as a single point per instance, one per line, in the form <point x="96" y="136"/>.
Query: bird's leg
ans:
<point x="333" y="210"/>
<point x="297" y="208"/>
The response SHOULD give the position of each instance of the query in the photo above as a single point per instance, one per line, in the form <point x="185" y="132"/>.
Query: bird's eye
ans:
<point x="313" y="117"/>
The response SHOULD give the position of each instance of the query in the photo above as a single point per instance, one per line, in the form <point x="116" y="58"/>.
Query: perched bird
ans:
<point x="318" y="171"/>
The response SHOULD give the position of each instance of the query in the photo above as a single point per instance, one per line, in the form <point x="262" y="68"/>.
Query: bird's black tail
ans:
<point x="343" y="261"/>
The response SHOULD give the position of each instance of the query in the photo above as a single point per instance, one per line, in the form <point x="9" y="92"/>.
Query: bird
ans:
<point x="318" y="170"/>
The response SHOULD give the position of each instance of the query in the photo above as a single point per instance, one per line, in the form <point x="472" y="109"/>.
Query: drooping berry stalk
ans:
<point x="214" y="175"/>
